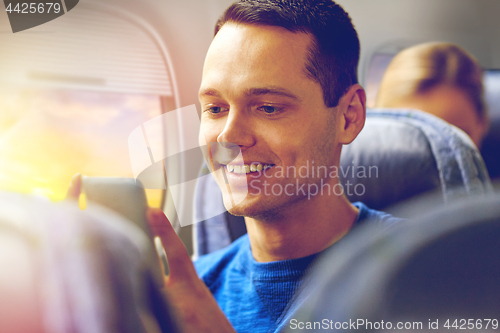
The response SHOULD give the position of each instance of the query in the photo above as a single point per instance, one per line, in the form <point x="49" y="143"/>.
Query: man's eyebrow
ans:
<point x="271" y="91"/>
<point x="278" y="91"/>
<point x="209" y="92"/>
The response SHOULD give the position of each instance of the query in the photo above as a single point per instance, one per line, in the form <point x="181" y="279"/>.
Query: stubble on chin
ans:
<point x="267" y="210"/>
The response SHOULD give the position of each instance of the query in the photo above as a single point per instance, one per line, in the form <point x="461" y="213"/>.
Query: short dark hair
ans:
<point x="334" y="53"/>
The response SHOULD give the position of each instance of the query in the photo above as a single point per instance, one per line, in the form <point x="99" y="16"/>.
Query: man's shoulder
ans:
<point x="372" y="216"/>
<point x="210" y="266"/>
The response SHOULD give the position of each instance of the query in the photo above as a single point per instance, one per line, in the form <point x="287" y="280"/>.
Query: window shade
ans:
<point x="91" y="47"/>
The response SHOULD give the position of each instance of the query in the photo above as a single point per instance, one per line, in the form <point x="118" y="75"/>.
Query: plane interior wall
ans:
<point x="187" y="29"/>
<point x="402" y="23"/>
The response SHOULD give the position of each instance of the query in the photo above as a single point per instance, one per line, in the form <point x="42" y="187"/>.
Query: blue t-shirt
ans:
<point x="255" y="295"/>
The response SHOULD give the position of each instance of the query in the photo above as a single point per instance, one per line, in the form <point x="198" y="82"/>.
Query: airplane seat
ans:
<point x="67" y="270"/>
<point x="399" y="154"/>
<point x="413" y="152"/>
<point x="443" y="265"/>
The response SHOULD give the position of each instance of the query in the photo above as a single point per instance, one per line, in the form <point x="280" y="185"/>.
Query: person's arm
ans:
<point x="195" y="308"/>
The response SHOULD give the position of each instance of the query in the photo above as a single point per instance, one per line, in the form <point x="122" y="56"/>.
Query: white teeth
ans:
<point x="243" y="169"/>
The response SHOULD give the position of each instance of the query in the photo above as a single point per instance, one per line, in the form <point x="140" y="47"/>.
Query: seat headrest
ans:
<point x="401" y="153"/>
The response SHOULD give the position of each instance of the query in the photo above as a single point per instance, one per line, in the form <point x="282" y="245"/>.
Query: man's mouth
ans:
<point x="248" y="168"/>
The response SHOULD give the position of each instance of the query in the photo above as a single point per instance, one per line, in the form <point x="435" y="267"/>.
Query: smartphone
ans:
<point x="127" y="197"/>
<point x="123" y="195"/>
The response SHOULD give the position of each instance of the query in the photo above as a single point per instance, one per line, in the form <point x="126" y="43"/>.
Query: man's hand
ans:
<point x="75" y="187"/>
<point x="196" y="309"/>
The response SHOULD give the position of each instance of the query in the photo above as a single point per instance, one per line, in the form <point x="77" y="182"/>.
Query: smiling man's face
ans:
<point x="255" y="94"/>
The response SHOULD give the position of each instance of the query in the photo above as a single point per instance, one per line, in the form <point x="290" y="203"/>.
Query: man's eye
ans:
<point x="215" y="109"/>
<point x="269" y="109"/>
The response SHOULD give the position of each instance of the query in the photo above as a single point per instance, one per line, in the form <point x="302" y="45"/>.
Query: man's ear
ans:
<point x="352" y="114"/>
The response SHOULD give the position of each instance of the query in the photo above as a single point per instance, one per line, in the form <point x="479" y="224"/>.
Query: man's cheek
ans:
<point x="202" y="140"/>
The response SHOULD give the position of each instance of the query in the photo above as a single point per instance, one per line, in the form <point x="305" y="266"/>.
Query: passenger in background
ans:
<point x="439" y="78"/>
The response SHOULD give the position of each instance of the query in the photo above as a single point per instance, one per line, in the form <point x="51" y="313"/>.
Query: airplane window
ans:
<point x="46" y="136"/>
<point x="73" y="89"/>
<point x="491" y="142"/>
<point x="491" y="82"/>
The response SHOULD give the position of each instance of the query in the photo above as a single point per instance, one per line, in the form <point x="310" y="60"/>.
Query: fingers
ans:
<point x="75" y="187"/>
<point x="179" y="262"/>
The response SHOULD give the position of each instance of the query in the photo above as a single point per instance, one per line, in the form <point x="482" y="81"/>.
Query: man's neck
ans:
<point x="308" y="227"/>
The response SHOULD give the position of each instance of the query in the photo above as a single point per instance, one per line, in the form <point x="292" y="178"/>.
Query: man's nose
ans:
<point x="237" y="130"/>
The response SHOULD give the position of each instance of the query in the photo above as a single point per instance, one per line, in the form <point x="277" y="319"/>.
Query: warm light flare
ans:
<point x="48" y="136"/>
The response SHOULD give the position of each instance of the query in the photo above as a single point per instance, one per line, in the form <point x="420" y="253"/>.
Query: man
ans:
<point x="279" y="82"/>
